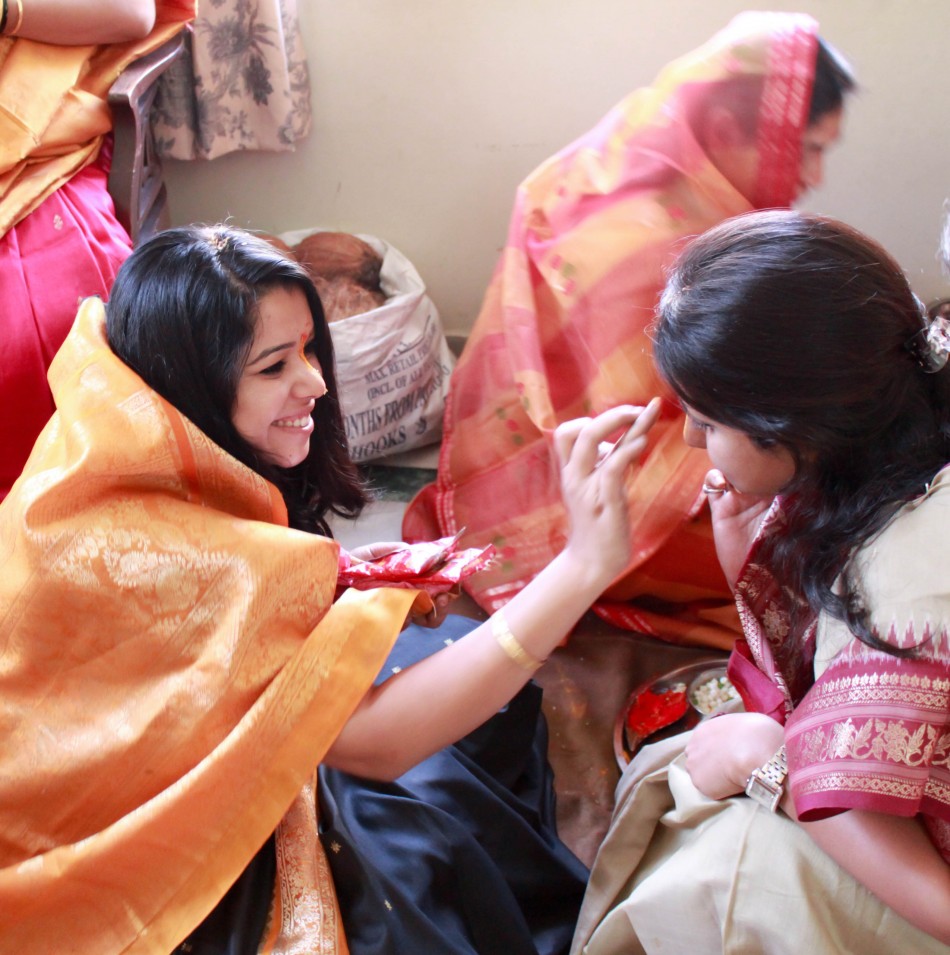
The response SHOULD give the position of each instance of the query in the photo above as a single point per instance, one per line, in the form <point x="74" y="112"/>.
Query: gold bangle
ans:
<point x="511" y="645"/>
<point x="19" y="19"/>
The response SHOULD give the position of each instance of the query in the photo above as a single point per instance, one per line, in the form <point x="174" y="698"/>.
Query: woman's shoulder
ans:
<point x="902" y="574"/>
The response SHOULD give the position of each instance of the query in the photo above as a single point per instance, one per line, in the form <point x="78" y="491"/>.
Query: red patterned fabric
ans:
<point x="865" y="729"/>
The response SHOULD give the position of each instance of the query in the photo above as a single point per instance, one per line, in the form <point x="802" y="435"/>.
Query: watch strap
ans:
<point x="766" y="784"/>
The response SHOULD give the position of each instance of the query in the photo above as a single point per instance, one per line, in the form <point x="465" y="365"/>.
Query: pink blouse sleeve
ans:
<point x="872" y="733"/>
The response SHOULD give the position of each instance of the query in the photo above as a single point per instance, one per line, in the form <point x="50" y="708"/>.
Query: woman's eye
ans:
<point x="700" y="425"/>
<point x="274" y="369"/>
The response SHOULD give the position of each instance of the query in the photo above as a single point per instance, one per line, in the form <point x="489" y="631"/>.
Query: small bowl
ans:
<point x="725" y="691"/>
<point x="624" y="747"/>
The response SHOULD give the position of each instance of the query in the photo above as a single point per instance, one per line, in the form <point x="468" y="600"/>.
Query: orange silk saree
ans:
<point x="563" y="330"/>
<point x="172" y="670"/>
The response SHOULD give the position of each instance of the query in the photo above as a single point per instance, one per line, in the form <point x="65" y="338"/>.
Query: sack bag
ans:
<point x="393" y="363"/>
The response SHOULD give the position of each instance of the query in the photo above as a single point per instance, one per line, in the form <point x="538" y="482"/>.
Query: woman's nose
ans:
<point x="310" y="380"/>
<point x="318" y="386"/>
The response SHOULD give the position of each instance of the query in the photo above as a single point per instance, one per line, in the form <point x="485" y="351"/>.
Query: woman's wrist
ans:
<point x="544" y="613"/>
<point x="582" y="574"/>
<point x="753" y="740"/>
<point x="512" y="647"/>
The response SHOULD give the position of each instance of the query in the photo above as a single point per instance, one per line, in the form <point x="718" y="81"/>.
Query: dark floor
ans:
<point x="587" y="684"/>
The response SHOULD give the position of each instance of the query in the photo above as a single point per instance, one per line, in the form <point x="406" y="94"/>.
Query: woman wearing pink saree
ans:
<point x="60" y="239"/>
<point x="739" y="124"/>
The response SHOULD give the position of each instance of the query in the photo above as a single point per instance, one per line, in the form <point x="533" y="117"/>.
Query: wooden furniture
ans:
<point x="136" y="181"/>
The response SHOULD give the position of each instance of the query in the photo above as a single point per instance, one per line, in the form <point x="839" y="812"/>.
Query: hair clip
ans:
<point x="219" y="241"/>
<point x="938" y="343"/>
<point x="931" y="345"/>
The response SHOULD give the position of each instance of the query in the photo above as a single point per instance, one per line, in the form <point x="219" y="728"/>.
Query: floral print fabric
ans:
<point x="243" y="83"/>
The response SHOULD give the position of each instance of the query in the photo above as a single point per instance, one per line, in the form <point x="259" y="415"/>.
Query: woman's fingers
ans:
<point x="582" y="443"/>
<point x="632" y="443"/>
<point x="593" y="472"/>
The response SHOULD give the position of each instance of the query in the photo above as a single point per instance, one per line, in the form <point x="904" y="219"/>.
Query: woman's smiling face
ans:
<point x="281" y="380"/>
<point x="747" y="466"/>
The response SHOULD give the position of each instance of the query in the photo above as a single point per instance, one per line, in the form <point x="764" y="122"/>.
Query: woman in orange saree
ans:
<point x="174" y="663"/>
<point x="739" y="124"/>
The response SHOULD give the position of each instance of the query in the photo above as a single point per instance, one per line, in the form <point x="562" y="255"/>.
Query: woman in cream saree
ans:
<point x="818" y="818"/>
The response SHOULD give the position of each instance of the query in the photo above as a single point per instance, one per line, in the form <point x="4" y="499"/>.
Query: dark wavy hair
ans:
<point x="801" y="332"/>
<point x="182" y="314"/>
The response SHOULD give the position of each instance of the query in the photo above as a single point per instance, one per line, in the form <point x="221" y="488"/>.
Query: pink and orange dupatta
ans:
<point x="563" y="330"/>
<point x="172" y="670"/>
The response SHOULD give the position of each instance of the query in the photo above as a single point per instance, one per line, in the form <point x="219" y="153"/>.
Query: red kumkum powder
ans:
<point x="652" y="711"/>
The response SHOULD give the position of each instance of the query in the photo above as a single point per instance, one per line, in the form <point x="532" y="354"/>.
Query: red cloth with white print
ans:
<point x="432" y="567"/>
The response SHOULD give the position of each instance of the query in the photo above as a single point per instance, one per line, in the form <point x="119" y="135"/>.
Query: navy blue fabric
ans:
<point x="236" y="923"/>
<point x="460" y="855"/>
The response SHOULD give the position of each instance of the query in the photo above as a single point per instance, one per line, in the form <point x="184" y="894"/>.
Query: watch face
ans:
<point x="762" y="793"/>
<point x="767" y="783"/>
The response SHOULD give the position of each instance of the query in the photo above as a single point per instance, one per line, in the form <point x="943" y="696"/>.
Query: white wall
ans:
<point x="427" y="114"/>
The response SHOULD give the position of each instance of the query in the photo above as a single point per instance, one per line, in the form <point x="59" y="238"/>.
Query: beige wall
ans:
<point x="427" y="114"/>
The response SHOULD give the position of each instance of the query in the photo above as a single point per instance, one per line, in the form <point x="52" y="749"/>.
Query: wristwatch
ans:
<point x="766" y="785"/>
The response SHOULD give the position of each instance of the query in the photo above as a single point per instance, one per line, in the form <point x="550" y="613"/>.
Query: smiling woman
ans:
<point x="243" y="379"/>
<point x="196" y="454"/>
<point x="279" y="385"/>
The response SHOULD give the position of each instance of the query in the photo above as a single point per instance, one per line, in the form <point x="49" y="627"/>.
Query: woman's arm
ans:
<point x="895" y="858"/>
<point x="892" y="856"/>
<point x="440" y="699"/>
<point x="78" y="22"/>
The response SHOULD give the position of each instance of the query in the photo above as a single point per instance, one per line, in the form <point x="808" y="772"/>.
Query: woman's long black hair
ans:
<point x="182" y="314"/>
<point x="801" y="332"/>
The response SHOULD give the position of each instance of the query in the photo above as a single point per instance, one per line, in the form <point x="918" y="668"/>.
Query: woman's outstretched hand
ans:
<point x="735" y="518"/>
<point x="593" y="475"/>
<point x="445" y="696"/>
